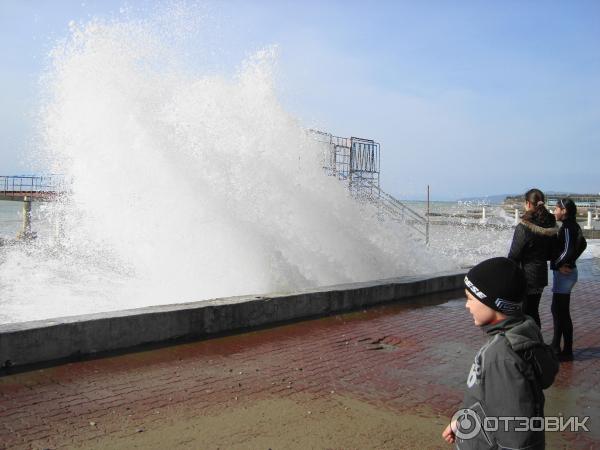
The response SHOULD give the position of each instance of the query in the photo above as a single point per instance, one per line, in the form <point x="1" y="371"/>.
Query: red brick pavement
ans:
<point x="406" y="358"/>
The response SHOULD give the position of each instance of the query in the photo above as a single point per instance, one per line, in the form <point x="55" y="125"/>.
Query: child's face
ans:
<point x="482" y="314"/>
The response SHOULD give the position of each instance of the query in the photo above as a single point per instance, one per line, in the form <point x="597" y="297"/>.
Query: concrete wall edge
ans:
<point x="70" y="337"/>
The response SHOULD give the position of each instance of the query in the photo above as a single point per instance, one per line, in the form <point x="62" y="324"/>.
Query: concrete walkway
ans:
<point x="389" y="377"/>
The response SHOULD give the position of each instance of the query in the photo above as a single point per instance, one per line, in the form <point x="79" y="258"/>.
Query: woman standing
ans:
<point x="532" y="247"/>
<point x="570" y="245"/>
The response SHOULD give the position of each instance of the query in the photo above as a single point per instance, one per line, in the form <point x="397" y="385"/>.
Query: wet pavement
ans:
<point x="387" y="377"/>
<point x="589" y="269"/>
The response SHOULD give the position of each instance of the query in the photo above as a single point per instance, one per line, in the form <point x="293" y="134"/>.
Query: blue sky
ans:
<point x="473" y="98"/>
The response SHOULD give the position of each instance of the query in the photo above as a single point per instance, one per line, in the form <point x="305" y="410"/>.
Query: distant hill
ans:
<point x="492" y="199"/>
<point x="500" y="198"/>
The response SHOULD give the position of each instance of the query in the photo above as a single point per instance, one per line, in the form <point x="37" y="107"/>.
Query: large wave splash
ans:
<point x="185" y="186"/>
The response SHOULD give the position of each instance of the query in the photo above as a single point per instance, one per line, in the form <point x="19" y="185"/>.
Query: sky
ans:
<point x="474" y="98"/>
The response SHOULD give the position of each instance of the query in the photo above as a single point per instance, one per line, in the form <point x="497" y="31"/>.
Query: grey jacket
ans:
<point x="501" y="384"/>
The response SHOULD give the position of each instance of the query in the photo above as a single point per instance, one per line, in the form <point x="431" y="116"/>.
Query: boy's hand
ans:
<point x="564" y="269"/>
<point x="448" y="433"/>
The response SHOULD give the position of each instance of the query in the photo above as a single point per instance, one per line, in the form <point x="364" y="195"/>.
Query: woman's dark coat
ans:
<point x="532" y="246"/>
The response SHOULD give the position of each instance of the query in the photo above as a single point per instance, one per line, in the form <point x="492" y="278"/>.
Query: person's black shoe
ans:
<point x="565" y="356"/>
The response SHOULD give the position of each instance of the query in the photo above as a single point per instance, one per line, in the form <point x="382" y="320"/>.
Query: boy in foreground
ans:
<point x="503" y="383"/>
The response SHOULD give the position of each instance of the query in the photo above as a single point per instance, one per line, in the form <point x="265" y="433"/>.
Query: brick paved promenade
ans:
<point x="389" y="377"/>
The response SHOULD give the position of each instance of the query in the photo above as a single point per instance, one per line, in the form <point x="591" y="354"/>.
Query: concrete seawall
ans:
<point x="71" y="337"/>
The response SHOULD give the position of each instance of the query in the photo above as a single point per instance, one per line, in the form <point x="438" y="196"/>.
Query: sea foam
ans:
<point x="184" y="185"/>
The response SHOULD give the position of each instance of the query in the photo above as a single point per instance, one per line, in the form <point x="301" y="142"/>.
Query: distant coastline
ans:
<point x="498" y="199"/>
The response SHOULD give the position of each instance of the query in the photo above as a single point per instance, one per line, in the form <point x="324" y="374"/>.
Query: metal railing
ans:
<point x="356" y="161"/>
<point x="37" y="187"/>
<point x="396" y="210"/>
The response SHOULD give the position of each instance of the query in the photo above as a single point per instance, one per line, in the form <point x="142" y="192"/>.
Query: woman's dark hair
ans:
<point x="534" y="196"/>
<point x="537" y="199"/>
<point x="569" y="205"/>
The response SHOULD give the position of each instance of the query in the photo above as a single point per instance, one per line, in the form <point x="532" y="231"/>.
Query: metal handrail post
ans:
<point x="427" y="224"/>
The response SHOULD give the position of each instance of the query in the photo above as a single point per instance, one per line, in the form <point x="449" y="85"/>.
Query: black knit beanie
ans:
<point x="498" y="283"/>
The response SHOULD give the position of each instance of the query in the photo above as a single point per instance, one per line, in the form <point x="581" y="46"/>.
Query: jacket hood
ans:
<point x="522" y="332"/>
<point x="543" y="227"/>
<point x="540" y="217"/>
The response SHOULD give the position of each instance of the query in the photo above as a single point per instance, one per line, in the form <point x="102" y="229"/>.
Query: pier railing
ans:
<point x="35" y="187"/>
